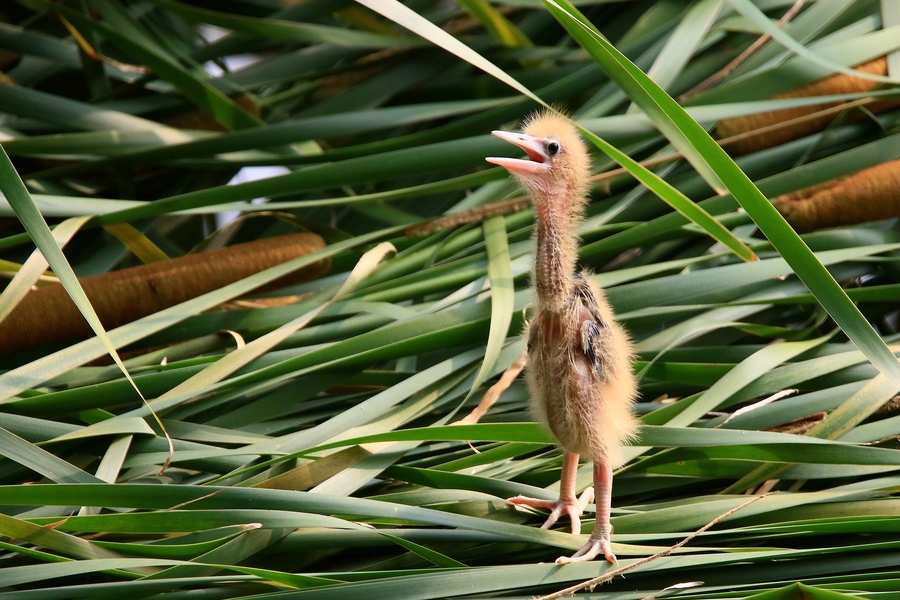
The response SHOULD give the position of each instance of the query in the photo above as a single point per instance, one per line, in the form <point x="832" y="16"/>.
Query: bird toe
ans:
<point x="572" y="507"/>
<point x="594" y="547"/>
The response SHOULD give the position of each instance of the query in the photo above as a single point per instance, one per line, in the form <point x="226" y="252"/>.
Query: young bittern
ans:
<point x="579" y="359"/>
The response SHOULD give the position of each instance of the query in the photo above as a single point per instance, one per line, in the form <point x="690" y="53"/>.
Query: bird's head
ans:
<point x="558" y="164"/>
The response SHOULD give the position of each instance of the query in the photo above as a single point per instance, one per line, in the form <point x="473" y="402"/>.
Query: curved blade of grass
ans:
<point x="185" y="548"/>
<point x="111" y="465"/>
<point x="406" y="17"/>
<point x="441" y="560"/>
<point x="52" y="539"/>
<point x="139" y="244"/>
<point x="234" y="551"/>
<point x="704" y="149"/>
<point x="288" y="579"/>
<point x="40" y="461"/>
<point x="503" y="295"/>
<point x="28" y="42"/>
<point x="674" y="198"/>
<point x="440" y="480"/>
<point x="35" y="266"/>
<point x="111" y="426"/>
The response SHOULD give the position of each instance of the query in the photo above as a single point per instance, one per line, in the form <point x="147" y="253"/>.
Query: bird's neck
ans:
<point x="556" y="250"/>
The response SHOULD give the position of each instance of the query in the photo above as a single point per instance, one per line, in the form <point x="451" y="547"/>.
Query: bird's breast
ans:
<point x="565" y="375"/>
<point x="555" y="335"/>
<point x="554" y="357"/>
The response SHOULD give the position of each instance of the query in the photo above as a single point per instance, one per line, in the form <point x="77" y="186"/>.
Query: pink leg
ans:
<point x="567" y="502"/>
<point x="599" y="540"/>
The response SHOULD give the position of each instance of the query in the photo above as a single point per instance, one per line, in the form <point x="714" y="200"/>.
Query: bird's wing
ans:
<point x="593" y="328"/>
<point x="591" y="344"/>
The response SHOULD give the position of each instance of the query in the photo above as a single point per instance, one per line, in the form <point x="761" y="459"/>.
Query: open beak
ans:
<point x="537" y="162"/>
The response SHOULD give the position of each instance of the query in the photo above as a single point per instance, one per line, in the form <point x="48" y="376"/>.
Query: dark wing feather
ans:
<point x="591" y="342"/>
<point x="594" y="330"/>
<point x="584" y="293"/>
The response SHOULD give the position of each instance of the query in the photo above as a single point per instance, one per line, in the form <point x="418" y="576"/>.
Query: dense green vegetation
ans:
<point x="317" y="458"/>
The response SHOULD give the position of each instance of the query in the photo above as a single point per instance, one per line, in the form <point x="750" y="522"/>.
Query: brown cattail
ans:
<point x="801" y="425"/>
<point x="888" y="408"/>
<point x="472" y="215"/>
<point x="47" y="315"/>
<point x="869" y="195"/>
<point x="835" y="84"/>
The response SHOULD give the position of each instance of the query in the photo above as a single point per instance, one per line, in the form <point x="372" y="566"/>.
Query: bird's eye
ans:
<point x="552" y="148"/>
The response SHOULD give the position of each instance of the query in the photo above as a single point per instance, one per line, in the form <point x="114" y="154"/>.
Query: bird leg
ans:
<point x="599" y="540"/>
<point x="567" y="503"/>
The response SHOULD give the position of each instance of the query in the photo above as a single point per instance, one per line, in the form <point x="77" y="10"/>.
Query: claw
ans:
<point x="557" y="512"/>
<point x="596" y="545"/>
<point x="587" y="496"/>
<point x="573" y="507"/>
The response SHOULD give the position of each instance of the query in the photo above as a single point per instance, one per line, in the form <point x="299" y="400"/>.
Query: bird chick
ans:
<point x="579" y="359"/>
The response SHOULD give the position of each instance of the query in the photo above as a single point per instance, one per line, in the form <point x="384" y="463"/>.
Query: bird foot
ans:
<point x="597" y="544"/>
<point x="570" y="506"/>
